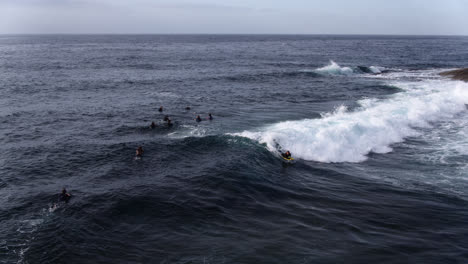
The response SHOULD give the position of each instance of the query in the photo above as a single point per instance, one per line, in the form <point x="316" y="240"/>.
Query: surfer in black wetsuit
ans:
<point x="169" y="122"/>
<point x="153" y="125"/>
<point x="64" y="196"/>
<point x="210" y="117"/>
<point x="286" y="155"/>
<point x="160" y="109"/>
<point x="198" y="119"/>
<point x="187" y="108"/>
<point x="139" y="151"/>
<point x="166" y="117"/>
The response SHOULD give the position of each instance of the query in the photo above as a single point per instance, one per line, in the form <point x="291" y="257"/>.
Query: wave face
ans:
<point x="344" y="136"/>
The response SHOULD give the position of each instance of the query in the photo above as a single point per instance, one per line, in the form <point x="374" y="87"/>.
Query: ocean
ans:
<point x="379" y="138"/>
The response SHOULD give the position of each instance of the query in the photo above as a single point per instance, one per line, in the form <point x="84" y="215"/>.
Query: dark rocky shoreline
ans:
<point x="460" y="74"/>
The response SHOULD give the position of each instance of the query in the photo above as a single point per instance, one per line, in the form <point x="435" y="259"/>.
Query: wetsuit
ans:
<point x="64" y="197"/>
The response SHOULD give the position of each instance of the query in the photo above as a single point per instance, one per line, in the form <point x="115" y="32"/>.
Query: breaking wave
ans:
<point x="334" y="69"/>
<point x="344" y="136"/>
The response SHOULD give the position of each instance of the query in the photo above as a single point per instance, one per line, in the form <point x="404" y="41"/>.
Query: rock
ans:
<point x="460" y="74"/>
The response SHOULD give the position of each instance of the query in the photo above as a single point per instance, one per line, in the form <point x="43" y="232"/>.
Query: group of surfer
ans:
<point x="139" y="151"/>
<point x="169" y="121"/>
<point x="65" y="196"/>
<point x="198" y="119"/>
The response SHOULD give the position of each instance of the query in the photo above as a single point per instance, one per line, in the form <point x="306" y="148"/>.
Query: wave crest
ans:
<point x="334" y="69"/>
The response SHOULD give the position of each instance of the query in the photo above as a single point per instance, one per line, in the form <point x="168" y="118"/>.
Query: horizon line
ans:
<point x="249" y="34"/>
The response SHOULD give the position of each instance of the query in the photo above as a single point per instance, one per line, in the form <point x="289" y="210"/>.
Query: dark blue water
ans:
<point x="380" y="143"/>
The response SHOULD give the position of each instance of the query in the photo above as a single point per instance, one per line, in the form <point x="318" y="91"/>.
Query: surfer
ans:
<point x="139" y="151"/>
<point x="187" y="108"/>
<point x="286" y="155"/>
<point x="64" y="196"/>
<point x="166" y="117"/>
<point x="153" y="125"/>
<point x="210" y="117"/>
<point x="198" y="119"/>
<point x="169" y="123"/>
<point x="161" y="109"/>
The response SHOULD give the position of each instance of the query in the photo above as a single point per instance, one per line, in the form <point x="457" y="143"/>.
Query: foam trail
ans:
<point x="334" y="69"/>
<point x="344" y="136"/>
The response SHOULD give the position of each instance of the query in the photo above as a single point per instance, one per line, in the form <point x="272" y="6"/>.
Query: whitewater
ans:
<point x="350" y="135"/>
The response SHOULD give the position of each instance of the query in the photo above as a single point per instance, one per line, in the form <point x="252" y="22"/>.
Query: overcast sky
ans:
<point x="426" y="17"/>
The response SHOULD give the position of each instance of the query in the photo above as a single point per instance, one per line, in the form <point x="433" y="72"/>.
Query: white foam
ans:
<point x="343" y="136"/>
<point x="399" y="74"/>
<point x="376" y="69"/>
<point x="334" y="69"/>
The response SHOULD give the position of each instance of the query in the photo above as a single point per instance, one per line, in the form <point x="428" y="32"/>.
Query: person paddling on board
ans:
<point x="64" y="196"/>
<point x="161" y="109"/>
<point x="153" y="125"/>
<point x="286" y="155"/>
<point x="139" y="151"/>
<point x="166" y="117"/>
<point x="169" y="122"/>
<point x="210" y="117"/>
<point x="198" y="119"/>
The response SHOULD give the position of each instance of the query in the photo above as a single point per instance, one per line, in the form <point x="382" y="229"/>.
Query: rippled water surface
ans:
<point x="379" y="140"/>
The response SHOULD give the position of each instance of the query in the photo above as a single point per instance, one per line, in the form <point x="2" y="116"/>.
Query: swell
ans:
<point x="208" y="209"/>
<point x="182" y="197"/>
<point x="260" y="77"/>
